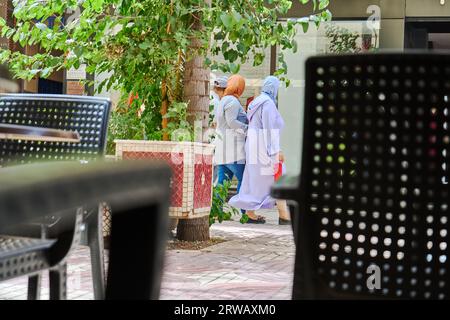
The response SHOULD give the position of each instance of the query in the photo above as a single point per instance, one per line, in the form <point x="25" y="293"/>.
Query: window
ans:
<point x="331" y="37"/>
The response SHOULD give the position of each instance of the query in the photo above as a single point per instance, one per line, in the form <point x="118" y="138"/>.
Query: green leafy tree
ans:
<point x="148" y="44"/>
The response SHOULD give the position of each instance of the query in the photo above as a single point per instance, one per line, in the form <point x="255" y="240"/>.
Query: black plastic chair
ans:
<point x="86" y="115"/>
<point x="139" y="194"/>
<point x="373" y="193"/>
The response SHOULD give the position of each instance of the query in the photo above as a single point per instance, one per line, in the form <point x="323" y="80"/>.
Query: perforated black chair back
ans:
<point x="86" y="115"/>
<point x="374" y="195"/>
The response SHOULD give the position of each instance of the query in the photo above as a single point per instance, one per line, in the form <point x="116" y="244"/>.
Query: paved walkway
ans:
<point x="256" y="262"/>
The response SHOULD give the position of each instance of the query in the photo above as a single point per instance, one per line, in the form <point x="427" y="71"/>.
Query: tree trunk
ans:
<point x="196" y="93"/>
<point x="193" y="229"/>
<point x="164" y="107"/>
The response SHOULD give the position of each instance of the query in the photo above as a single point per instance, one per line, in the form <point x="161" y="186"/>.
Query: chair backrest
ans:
<point x="86" y="115"/>
<point x="374" y="195"/>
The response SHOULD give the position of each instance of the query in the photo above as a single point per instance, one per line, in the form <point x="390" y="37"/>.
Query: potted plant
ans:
<point x="159" y="55"/>
<point x="191" y="164"/>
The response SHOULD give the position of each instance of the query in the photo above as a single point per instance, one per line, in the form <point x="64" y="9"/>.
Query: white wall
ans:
<point x="291" y="99"/>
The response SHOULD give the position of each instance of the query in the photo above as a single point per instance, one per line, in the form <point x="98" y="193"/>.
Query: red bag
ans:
<point x="279" y="170"/>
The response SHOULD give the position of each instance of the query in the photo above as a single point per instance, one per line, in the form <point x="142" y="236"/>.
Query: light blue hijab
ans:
<point x="270" y="87"/>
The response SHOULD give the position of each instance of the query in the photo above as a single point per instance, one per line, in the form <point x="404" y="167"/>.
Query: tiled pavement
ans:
<point x="256" y="262"/>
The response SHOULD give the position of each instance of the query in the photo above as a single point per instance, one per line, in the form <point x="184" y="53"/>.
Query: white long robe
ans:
<point x="262" y="148"/>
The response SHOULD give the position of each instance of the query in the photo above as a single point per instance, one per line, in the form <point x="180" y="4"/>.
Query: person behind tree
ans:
<point x="217" y="92"/>
<point x="230" y="132"/>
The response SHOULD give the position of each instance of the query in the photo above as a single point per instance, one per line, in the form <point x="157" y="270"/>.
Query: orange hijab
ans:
<point x="235" y="86"/>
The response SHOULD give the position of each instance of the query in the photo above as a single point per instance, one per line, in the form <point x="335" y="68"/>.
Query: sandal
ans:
<point x="283" y="222"/>
<point x="259" y="220"/>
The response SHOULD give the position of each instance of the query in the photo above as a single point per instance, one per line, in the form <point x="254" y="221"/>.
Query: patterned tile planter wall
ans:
<point x="192" y="172"/>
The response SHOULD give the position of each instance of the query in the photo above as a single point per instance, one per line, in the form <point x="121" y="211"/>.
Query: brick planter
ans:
<point x="192" y="171"/>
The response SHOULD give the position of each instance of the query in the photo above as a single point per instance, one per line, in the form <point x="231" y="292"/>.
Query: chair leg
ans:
<point x="34" y="282"/>
<point x="58" y="282"/>
<point x="293" y="209"/>
<point x="34" y="287"/>
<point x="96" y="247"/>
<point x="143" y="274"/>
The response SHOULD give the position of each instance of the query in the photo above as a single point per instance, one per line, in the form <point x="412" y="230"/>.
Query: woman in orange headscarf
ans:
<point x="235" y="86"/>
<point x="231" y="131"/>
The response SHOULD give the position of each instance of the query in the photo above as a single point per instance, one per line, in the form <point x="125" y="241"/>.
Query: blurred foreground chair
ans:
<point x="373" y="193"/>
<point x="87" y="116"/>
<point x="137" y="192"/>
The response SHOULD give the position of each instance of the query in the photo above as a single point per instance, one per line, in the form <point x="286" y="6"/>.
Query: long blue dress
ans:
<point x="262" y="148"/>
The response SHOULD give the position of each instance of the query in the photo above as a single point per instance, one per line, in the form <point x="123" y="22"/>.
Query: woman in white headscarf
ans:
<point x="263" y="155"/>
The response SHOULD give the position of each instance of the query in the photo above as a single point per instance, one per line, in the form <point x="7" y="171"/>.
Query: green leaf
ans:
<point x="145" y="45"/>
<point x="305" y="26"/>
<point x="78" y="51"/>
<point x="258" y="59"/>
<point x="23" y="39"/>
<point x="316" y="19"/>
<point x="219" y="35"/>
<point x="225" y="46"/>
<point x="323" y="4"/>
<point x="231" y="55"/>
<point x="9" y="33"/>
<point x="96" y="5"/>
<point x="4" y="30"/>
<point x="294" y="46"/>
<point x="4" y="55"/>
<point x="326" y="15"/>
<point x="41" y="26"/>
<point x="227" y="20"/>
<point x="46" y="72"/>
<point x="237" y="16"/>
<point x="16" y="36"/>
<point x="234" y="68"/>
